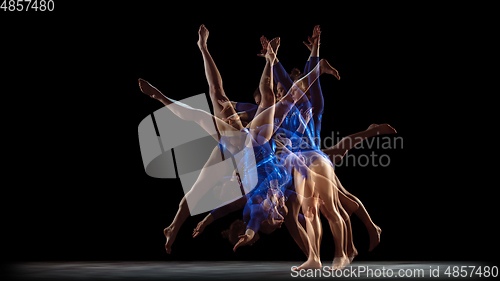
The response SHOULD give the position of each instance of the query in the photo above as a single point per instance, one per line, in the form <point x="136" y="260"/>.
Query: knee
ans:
<point x="311" y="212"/>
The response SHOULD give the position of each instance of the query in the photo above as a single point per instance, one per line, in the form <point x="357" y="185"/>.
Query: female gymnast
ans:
<point x="215" y="88"/>
<point x="310" y="188"/>
<point x="319" y="187"/>
<point x="339" y="150"/>
<point x="258" y="133"/>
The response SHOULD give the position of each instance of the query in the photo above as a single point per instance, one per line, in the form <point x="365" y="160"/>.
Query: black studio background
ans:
<point x="82" y="193"/>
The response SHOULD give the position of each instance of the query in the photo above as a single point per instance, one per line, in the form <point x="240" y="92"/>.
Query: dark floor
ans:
<point x="235" y="270"/>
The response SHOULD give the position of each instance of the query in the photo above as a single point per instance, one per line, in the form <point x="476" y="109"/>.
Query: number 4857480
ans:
<point x="27" y="5"/>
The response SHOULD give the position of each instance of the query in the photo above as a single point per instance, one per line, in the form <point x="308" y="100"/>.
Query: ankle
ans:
<point x="341" y="255"/>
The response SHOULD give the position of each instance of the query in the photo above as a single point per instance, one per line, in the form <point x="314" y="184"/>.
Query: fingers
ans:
<point x="224" y="107"/>
<point x="196" y="233"/>
<point x="316" y="29"/>
<point x="196" y="230"/>
<point x="236" y="246"/>
<point x="242" y="240"/>
<point x="316" y="36"/>
<point x="307" y="45"/>
<point x="223" y="102"/>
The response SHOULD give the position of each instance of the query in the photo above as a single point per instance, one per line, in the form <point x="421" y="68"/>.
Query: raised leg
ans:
<point x="214" y="79"/>
<point x="186" y="112"/>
